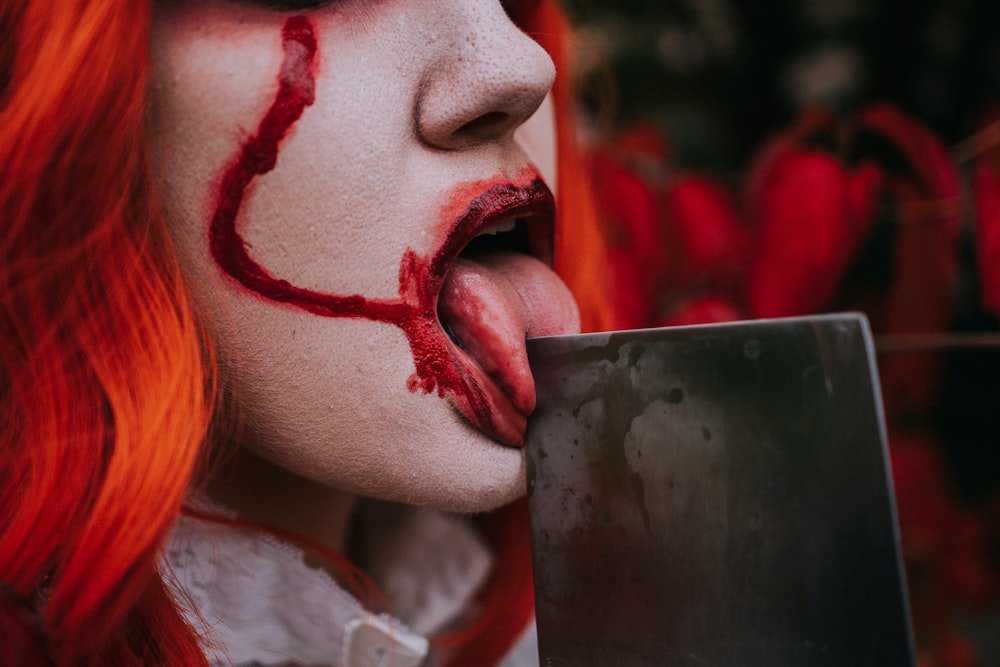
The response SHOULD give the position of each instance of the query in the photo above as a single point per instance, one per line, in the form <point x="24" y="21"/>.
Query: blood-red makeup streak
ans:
<point x="437" y="362"/>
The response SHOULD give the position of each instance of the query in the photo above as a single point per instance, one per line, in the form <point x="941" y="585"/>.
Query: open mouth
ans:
<point x="498" y="289"/>
<point x="511" y="235"/>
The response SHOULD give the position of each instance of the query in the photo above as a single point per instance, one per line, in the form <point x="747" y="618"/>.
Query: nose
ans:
<point x="489" y="79"/>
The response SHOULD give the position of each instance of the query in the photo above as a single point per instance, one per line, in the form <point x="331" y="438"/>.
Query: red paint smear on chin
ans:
<point x="420" y="278"/>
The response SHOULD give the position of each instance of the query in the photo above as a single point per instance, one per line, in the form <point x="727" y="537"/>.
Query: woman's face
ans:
<point x="324" y="173"/>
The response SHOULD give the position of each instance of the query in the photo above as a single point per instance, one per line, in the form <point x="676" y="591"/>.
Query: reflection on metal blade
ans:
<point x="714" y="495"/>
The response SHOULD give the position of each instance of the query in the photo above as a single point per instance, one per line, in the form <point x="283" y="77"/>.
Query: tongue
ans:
<point x="492" y="302"/>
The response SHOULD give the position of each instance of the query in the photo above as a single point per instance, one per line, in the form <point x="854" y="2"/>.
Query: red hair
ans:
<point x="103" y="381"/>
<point x="580" y="247"/>
<point x="106" y="388"/>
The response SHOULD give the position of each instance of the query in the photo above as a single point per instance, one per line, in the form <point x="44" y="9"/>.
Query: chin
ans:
<point x="489" y="477"/>
<point x="411" y="449"/>
<point x="453" y="468"/>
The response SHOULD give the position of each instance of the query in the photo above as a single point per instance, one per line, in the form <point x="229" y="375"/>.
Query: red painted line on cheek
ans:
<point x="414" y="312"/>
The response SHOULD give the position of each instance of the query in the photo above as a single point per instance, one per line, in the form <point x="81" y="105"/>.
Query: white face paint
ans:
<point x="319" y="274"/>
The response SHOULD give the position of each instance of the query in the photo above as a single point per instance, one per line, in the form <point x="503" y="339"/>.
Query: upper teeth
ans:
<point x="499" y="227"/>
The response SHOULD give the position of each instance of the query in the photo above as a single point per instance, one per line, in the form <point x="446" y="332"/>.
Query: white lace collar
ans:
<point x="259" y="603"/>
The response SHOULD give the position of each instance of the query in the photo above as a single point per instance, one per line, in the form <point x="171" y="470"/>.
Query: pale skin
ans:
<point x="414" y="101"/>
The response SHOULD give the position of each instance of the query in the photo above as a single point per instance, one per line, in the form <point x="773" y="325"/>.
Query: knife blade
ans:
<point x="715" y="495"/>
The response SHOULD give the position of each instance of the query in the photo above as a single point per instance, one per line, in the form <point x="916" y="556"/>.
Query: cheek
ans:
<point x="185" y="85"/>
<point x="206" y="92"/>
<point x="313" y="385"/>
<point x="258" y="155"/>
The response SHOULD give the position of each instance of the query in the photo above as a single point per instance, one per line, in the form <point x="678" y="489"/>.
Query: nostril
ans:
<point x="491" y="124"/>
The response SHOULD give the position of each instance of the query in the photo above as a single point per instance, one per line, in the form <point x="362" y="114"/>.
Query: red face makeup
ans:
<point x="343" y="188"/>
<point x="495" y="396"/>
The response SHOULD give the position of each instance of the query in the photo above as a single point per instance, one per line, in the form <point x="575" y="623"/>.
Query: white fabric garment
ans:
<point x="259" y="603"/>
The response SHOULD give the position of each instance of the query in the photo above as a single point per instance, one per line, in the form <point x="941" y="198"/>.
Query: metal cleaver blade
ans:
<point x="715" y="495"/>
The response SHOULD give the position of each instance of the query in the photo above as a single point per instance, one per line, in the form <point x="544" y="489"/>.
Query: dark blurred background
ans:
<point x="720" y="74"/>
